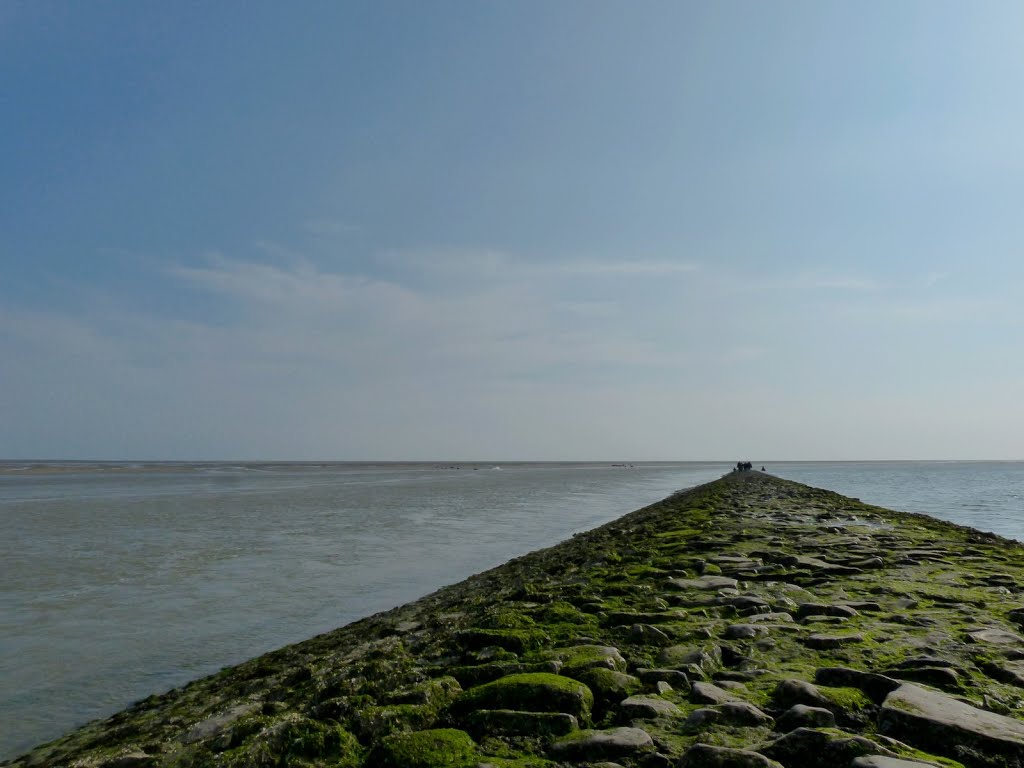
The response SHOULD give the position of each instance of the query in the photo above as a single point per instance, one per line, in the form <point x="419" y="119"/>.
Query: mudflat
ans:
<point x="751" y="621"/>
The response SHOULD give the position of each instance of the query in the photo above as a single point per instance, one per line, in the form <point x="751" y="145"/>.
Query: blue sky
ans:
<point x="511" y="230"/>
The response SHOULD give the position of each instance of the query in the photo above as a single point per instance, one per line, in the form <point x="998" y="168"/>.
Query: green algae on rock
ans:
<point x="750" y="621"/>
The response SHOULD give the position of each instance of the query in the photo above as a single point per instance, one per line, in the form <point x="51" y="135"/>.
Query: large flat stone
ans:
<point x="934" y="722"/>
<point x="709" y="756"/>
<point x="705" y="583"/>
<point x="995" y="636"/>
<point x="615" y="742"/>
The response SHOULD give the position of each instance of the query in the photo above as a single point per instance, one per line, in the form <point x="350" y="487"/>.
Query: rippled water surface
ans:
<point x="988" y="495"/>
<point x="118" y="581"/>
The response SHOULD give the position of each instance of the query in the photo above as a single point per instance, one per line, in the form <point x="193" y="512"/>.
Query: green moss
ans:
<point x="295" y="741"/>
<point x="512" y="640"/>
<point x="577" y="658"/>
<point x="560" y="611"/>
<point x="608" y="685"/>
<point x="374" y="722"/>
<point x="530" y="692"/>
<point x="505" y="618"/>
<point x="520" y="762"/>
<point x="850" y="699"/>
<point x="510" y="722"/>
<point x="437" y="748"/>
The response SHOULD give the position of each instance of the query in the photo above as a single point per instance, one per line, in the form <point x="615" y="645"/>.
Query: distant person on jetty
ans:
<point x="744" y="466"/>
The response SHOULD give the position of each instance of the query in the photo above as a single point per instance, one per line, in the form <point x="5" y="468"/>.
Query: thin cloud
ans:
<point x="495" y="263"/>
<point x="302" y="286"/>
<point x="652" y="268"/>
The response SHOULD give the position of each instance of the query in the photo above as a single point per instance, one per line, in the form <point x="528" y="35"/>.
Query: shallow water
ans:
<point x="988" y="495"/>
<point x="120" y="581"/>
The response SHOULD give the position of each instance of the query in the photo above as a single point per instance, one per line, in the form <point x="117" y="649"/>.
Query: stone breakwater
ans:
<point x="748" y="622"/>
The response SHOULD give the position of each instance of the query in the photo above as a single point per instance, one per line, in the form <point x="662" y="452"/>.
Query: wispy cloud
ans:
<point x="496" y="263"/>
<point x="300" y="286"/>
<point x="625" y="267"/>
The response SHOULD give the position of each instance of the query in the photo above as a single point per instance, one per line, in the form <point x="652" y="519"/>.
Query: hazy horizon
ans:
<point x="405" y="230"/>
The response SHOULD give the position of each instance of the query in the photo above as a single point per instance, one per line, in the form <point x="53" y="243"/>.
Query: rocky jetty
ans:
<point x="751" y="622"/>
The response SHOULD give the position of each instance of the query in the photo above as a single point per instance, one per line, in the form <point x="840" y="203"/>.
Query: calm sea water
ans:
<point x="118" y="581"/>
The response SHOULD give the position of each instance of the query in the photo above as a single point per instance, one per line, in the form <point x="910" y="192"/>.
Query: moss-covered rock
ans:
<point x="437" y="748"/>
<point x="607" y="685"/>
<point x="513" y="640"/>
<point x="576" y="659"/>
<point x="507" y="722"/>
<point x="529" y="693"/>
<point x="293" y="741"/>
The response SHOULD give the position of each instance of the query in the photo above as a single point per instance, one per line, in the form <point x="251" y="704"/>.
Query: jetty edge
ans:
<point x="750" y="622"/>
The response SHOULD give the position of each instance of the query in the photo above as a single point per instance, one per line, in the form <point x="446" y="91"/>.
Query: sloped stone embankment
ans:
<point x="749" y="622"/>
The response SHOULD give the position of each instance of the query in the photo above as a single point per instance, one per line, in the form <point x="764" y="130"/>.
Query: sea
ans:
<point x="119" y="580"/>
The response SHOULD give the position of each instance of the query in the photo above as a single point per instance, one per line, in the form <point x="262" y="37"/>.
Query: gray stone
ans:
<point x="507" y="722"/>
<point x="615" y="742"/>
<point x="777" y="617"/>
<point x="708" y="756"/>
<point x="648" y="707"/>
<point x="820" y="566"/>
<point x="864" y="606"/>
<point x="645" y="634"/>
<point x="871" y="563"/>
<point x="940" y="677"/>
<point x="1011" y="672"/>
<point x="876" y="686"/>
<point x="995" y="636"/>
<point x="673" y="677"/>
<point x="707" y="693"/>
<point x="704" y="716"/>
<point x="815" y="618"/>
<point x="1016" y="616"/>
<point x="937" y="723"/>
<point x="744" y="713"/>
<point x="681" y="656"/>
<point x="705" y="583"/>
<point x="826" y="642"/>
<point x="881" y="761"/>
<point x="803" y="716"/>
<point x="749" y="605"/>
<point x="743" y="631"/>
<point x="794" y="691"/>
<point x="825" y="609"/>
<point x="810" y="748"/>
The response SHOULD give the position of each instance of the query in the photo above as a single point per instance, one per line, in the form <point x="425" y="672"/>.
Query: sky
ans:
<point x="573" y="230"/>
